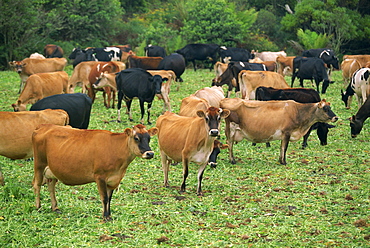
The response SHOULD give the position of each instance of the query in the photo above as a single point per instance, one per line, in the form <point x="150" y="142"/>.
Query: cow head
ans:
<point x="356" y="126"/>
<point x="217" y="146"/>
<point x="139" y="139"/>
<point x="329" y="58"/>
<point x="157" y="83"/>
<point x="18" y="106"/>
<point x="213" y="117"/>
<point x="325" y="85"/>
<point x="17" y="65"/>
<point x="106" y="79"/>
<point x="324" y="112"/>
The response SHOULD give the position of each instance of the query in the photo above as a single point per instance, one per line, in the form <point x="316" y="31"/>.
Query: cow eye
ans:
<point x="136" y="138"/>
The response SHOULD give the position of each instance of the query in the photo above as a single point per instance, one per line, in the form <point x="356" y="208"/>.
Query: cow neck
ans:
<point x="304" y="112"/>
<point x="363" y="113"/>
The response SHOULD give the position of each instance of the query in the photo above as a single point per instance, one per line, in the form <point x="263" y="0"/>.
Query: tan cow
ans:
<point x="212" y="94"/>
<point x="361" y="58"/>
<point x="268" y="56"/>
<point x="41" y="85"/>
<point x="285" y="65"/>
<point x="80" y="75"/>
<point x="349" y="66"/>
<point x="249" y="81"/>
<point x="264" y="121"/>
<point x="16" y="131"/>
<point x="168" y="77"/>
<point x="188" y="139"/>
<point x="191" y="104"/>
<point x="28" y="66"/>
<point x="104" y="158"/>
<point x="37" y="56"/>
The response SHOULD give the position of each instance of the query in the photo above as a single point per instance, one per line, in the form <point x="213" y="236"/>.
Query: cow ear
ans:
<point x="201" y="114"/>
<point x="11" y="63"/>
<point x="153" y="131"/>
<point x="225" y="113"/>
<point x="24" y="64"/>
<point x="128" y="131"/>
<point x="224" y="146"/>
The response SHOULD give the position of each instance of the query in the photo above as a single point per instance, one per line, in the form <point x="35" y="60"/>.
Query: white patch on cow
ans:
<point x="202" y="155"/>
<point x="223" y="47"/>
<point x="227" y="60"/>
<point x="98" y="67"/>
<point x="242" y="64"/>
<point x="277" y="135"/>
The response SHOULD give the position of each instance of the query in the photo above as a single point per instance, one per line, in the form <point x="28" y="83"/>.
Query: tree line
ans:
<point x="26" y="26"/>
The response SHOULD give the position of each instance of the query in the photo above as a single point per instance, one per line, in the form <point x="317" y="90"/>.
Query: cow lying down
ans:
<point x="264" y="121"/>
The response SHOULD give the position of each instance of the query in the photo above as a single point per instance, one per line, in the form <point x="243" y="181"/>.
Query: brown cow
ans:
<point x="96" y="72"/>
<point x="349" y="66"/>
<point x="167" y="76"/>
<point x="146" y="63"/>
<point x="191" y="104"/>
<point x="104" y="158"/>
<point x="188" y="139"/>
<point x="53" y="51"/>
<point x="212" y="94"/>
<point x="249" y="81"/>
<point x="27" y="67"/>
<point x="362" y="58"/>
<point x="264" y="121"/>
<point x="285" y="65"/>
<point x="16" y="131"/>
<point x="41" y="85"/>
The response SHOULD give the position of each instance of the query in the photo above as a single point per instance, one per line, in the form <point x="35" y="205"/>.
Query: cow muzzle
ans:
<point x="148" y="155"/>
<point x="334" y="119"/>
<point x="213" y="132"/>
<point x="212" y="164"/>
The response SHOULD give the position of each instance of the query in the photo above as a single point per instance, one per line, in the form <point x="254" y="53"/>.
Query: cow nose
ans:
<point x="148" y="154"/>
<point x="353" y="135"/>
<point x="213" y="132"/>
<point x="334" y="119"/>
<point x="213" y="164"/>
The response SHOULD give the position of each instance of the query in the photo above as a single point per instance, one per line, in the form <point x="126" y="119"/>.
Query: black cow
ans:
<point x="311" y="68"/>
<point x="202" y="52"/>
<point x="154" y="51"/>
<point x="78" y="55"/>
<point x="77" y="105"/>
<point x="137" y="82"/>
<point x="228" y="54"/>
<point x="301" y="95"/>
<point x="357" y="120"/>
<point x="174" y="62"/>
<point x="107" y="53"/>
<point x="327" y="55"/>
<point x="232" y="72"/>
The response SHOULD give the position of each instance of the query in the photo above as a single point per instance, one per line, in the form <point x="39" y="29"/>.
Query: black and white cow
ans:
<point x="78" y="55"/>
<point x="357" y="120"/>
<point x="202" y="52"/>
<point x="174" y="62"/>
<point x="313" y="69"/>
<point x="107" y="53"/>
<point x="137" y="82"/>
<point x="359" y="86"/>
<point x="154" y="51"/>
<point x="78" y="107"/>
<point x="327" y="55"/>
<point x="228" y="54"/>
<point x="302" y="95"/>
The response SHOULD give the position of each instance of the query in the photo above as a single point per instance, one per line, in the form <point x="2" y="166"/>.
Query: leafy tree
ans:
<point x="312" y="40"/>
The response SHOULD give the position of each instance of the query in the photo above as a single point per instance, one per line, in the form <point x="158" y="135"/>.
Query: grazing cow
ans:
<point x="137" y="82"/>
<point x="104" y="158"/>
<point x="268" y="56"/>
<point x="249" y="81"/>
<point x="260" y="121"/>
<point x="357" y="120"/>
<point x="154" y="51"/>
<point x="212" y="94"/>
<point x="311" y="68"/>
<point x="16" y="131"/>
<point x="188" y="139"/>
<point x="37" y="56"/>
<point x="285" y="65"/>
<point x="301" y="95"/>
<point x="349" y="66"/>
<point x="327" y="55"/>
<point x="146" y="63"/>
<point x="202" y="52"/>
<point x="53" y="51"/>
<point x="230" y="75"/>
<point x="27" y="67"/>
<point x="95" y="73"/>
<point x="359" y="86"/>
<point x="228" y="54"/>
<point x="174" y="62"/>
<point x="78" y="107"/>
<point x="107" y="53"/>
<point x="363" y="59"/>
<point x="78" y="55"/>
<point x="41" y="85"/>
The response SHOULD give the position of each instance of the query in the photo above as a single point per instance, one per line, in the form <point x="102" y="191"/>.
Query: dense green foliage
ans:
<point x="259" y="25"/>
<point x="319" y="199"/>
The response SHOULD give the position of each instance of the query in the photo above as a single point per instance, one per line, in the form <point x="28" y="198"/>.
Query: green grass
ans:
<point x="319" y="199"/>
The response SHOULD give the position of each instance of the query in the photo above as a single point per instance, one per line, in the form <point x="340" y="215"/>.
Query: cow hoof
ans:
<point x="232" y="161"/>
<point x="57" y="211"/>
<point x="131" y="120"/>
<point x="149" y="123"/>
<point x="119" y="121"/>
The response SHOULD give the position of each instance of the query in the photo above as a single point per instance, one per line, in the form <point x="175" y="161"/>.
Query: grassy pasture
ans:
<point x="319" y="199"/>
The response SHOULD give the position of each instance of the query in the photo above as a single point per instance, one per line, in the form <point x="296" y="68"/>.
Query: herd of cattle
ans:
<point x="258" y="78"/>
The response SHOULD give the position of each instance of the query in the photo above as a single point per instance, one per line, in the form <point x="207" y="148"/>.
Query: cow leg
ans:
<point x="293" y="78"/>
<point x="185" y="173"/>
<point x="105" y="197"/>
<point x="301" y="82"/>
<point x="128" y="104"/>
<point x="51" y="188"/>
<point x="200" y="177"/>
<point x="21" y="86"/>
<point x="119" y="103"/>
<point x="230" y="142"/>
<point x="305" y="137"/>
<point x="113" y="98"/>
<point x="165" y="168"/>
<point x="2" y="182"/>
<point x="148" y="111"/>
<point x="105" y="99"/>
<point x="283" y="148"/>
<point x="194" y="65"/>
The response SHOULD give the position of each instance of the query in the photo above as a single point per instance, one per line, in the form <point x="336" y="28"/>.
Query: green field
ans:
<point x="319" y="199"/>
